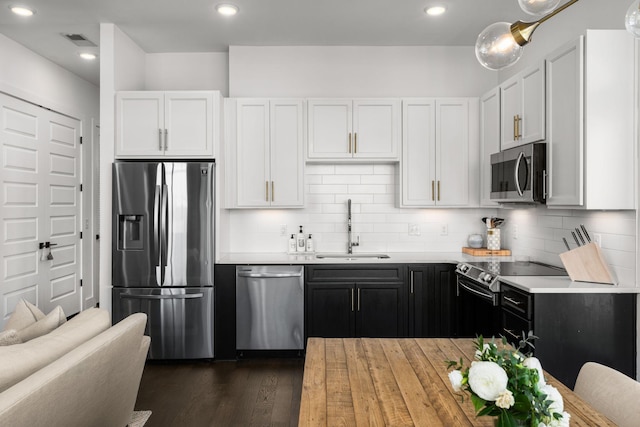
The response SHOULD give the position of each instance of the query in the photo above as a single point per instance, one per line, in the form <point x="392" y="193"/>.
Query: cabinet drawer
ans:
<point x="514" y="326"/>
<point x="361" y="272"/>
<point x="517" y="301"/>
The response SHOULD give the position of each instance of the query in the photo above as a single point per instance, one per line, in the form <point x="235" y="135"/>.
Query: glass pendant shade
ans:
<point x="632" y="19"/>
<point x="538" y="7"/>
<point x="496" y="48"/>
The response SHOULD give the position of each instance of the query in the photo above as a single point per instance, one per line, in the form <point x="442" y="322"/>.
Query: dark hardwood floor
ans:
<point x="253" y="392"/>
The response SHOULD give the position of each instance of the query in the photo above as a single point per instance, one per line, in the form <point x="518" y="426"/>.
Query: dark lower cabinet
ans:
<point x="359" y="301"/>
<point x="573" y="329"/>
<point x="432" y="307"/>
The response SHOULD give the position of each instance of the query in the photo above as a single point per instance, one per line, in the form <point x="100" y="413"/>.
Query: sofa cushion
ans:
<point x="23" y="315"/>
<point x="9" y="337"/>
<point x="21" y="360"/>
<point x="43" y="326"/>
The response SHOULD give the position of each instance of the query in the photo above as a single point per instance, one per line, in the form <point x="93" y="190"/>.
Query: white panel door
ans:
<point x="189" y="124"/>
<point x="510" y="106"/>
<point x="330" y="129"/>
<point x="139" y="124"/>
<point x="532" y="125"/>
<point x="452" y="149"/>
<point x="376" y="128"/>
<point x="39" y="184"/>
<point x="418" y="153"/>
<point x="489" y="141"/>
<point x="287" y="153"/>
<point x="253" y="184"/>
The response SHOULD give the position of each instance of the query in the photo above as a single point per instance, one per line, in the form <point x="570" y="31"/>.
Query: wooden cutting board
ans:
<point x="486" y="252"/>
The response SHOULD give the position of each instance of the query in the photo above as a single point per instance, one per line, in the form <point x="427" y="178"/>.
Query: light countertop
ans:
<point x="532" y="284"/>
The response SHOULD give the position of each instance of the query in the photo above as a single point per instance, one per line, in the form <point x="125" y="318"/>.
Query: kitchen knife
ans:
<point x="573" y="233"/>
<point x="584" y="230"/>
<point x="566" y="244"/>
<point x="580" y="236"/>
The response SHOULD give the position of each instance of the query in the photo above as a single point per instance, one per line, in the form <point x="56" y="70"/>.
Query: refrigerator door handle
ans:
<point x="179" y="296"/>
<point x="156" y="225"/>
<point x="164" y="233"/>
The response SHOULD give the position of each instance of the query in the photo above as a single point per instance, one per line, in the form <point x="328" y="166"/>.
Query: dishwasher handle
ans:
<point x="268" y="275"/>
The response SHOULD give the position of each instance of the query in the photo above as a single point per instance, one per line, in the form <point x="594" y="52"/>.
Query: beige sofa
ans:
<point x="83" y="373"/>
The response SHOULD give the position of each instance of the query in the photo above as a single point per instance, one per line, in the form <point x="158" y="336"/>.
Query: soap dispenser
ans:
<point x="309" y="244"/>
<point x="292" y="243"/>
<point x="301" y="243"/>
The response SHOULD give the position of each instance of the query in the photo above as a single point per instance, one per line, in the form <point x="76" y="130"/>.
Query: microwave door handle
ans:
<point x="517" y="173"/>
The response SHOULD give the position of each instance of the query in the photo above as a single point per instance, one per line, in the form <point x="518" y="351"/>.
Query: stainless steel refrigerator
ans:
<point x="163" y="253"/>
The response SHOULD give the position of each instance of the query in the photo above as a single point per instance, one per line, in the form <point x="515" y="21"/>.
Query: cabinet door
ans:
<point x="139" y="124"/>
<point x="432" y="301"/>
<point x="489" y="142"/>
<point x="418" y="166"/>
<point x="287" y="153"/>
<point x="376" y="128"/>
<point x="189" y="124"/>
<point x="532" y="126"/>
<point x="252" y="153"/>
<point x="379" y="310"/>
<point x="565" y="145"/>
<point x="330" y="310"/>
<point x="510" y="105"/>
<point x="452" y="152"/>
<point x="330" y="129"/>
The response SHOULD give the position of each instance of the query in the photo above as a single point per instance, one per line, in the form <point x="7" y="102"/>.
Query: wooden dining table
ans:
<point x="400" y="382"/>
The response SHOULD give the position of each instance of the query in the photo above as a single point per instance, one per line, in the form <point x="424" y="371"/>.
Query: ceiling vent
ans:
<point x="79" y="40"/>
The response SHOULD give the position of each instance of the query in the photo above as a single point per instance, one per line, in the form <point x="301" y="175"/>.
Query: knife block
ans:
<point x="586" y="264"/>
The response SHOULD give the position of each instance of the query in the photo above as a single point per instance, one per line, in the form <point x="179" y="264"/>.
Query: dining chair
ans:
<point x="611" y="392"/>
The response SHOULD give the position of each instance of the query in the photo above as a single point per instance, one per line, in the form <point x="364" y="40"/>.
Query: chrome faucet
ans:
<point x="350" y="242"/>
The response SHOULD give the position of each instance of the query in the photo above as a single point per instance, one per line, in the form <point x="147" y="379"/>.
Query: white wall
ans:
<point x="188" y="71"/>
<point x="356" y="71"/>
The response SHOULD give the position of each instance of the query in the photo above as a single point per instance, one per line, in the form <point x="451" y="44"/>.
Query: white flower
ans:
<point x="557" y="404"/>
<point x="505" y="400"/>
<point x="487" y="380"/>
<point x="534" y="363"/>
<point x="479" y="353"/>
<point x="456" y="380"/>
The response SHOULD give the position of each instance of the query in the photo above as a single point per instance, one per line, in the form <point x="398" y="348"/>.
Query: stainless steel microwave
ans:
<point x="518" y="175"/>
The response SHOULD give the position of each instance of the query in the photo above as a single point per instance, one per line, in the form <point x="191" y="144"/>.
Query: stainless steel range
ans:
<point x="478" y="292"/>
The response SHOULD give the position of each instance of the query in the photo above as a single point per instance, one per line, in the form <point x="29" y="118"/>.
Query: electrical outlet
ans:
<point x="283" y="229"/>
<point x="444" y="229"/>
<point x="514" y="231"/>
<point x="414" y="230"/>
<point x="598" y="239"/>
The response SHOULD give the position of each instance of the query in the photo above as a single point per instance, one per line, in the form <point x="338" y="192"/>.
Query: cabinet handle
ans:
<point x="512" y="301"/>
<point x="518" y="122"/>
<point x="411" y="281"/>
<point x="273" y="191"/>
<point x="433" y="191"/>
<point x="166" y="139"/>
<point x="160" y="139"/>
<point x="355" y="143"/>
<point x="358" y="299"/>
<point x="438" y="190"/>
<point x="515" y="127"/>
<point x="544" y="184"/>
<point x="266" y="191"/>
<point x="352" y="300"/>
<point x="349" y="142"/>
<point x="510" y="332"/>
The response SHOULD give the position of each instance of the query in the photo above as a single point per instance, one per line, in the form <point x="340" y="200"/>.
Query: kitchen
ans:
<point x="336" y="72"/>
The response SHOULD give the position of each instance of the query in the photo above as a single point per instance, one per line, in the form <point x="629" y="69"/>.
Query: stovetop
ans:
<point x="488" y="273"/>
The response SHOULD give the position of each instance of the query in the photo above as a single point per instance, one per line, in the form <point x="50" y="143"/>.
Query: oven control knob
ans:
<point x="488" y="277"/>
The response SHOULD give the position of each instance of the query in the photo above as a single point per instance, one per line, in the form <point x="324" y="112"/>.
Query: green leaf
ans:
<point x="478" y="402"/>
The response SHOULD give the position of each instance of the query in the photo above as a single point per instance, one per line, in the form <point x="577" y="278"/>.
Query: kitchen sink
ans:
<point x="351" y="256"/>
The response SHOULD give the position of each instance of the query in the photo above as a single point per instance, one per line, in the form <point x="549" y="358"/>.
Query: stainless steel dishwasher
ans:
<point x="269" y="308"/>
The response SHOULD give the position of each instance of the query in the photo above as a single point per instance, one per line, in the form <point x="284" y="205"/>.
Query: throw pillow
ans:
<point x="9" y="337"/>
<point x="23" y="315"/>
<point x="43" y="326"/>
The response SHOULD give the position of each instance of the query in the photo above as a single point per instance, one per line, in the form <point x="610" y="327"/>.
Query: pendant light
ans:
<point x="632" y="18"/>
<point x="500" y="45"/>
<point x="538" y="7"/>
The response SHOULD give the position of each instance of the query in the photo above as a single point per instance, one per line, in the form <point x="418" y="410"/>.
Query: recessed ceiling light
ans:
<point x="227" y="9"/>
<point x="435" y="10"/>
<point x="22" y="10"/>
<point x="88" y="56"/>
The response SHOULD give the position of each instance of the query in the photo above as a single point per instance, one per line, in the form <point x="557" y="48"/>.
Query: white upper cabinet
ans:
<point x="345" y="129"/>
<point x="489" y="142"/>
<point x="590" y="116"/>
<point x="523" y="107"/>
<point x="439" y="152"/>
<point x="166" y="124"/>
<point x="267" y="162"/>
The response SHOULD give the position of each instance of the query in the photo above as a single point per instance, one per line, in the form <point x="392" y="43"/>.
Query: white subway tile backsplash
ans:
<point x="367" y="189"/>
<point x="340" y="179"/>
<point x="328" y="189"/>
<point x="316" y="169"/>
<point x="354" y="169"/>
<point x="377" y="179"/>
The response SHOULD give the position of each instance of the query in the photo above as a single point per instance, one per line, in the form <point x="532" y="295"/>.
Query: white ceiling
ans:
<point x="194" y="26"/>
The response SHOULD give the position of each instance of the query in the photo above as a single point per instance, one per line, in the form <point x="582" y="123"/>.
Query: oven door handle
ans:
<point x="478" y="293"/>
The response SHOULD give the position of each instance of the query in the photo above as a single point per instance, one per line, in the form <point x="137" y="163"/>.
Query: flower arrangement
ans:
<point x="510" y="385"/>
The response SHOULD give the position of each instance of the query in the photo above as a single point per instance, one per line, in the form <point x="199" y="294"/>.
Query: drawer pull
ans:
<point x="512" y="301"/>
<point x="510" y="332"/>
